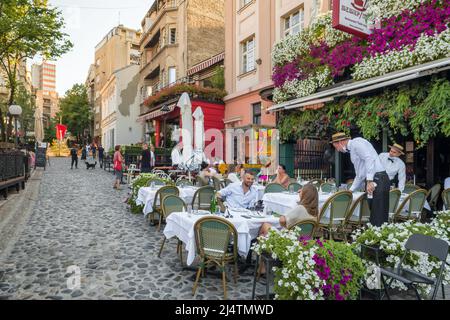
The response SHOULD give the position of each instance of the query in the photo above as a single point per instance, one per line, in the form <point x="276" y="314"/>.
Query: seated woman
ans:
<point x="307" y="209"/>
<point x="282" y="177"/>
<point x="236" y="176"/>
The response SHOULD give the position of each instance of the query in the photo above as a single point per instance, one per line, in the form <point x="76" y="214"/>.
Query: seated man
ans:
<point x="241" y="194"/>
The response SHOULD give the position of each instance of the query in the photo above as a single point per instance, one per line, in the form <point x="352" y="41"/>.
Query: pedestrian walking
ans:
<point x="101" y="154"/>
<point x="94" y="150"/>
<point x="368" y="168"/>
<point x="118" y="163"/>
<point x="74" y="155"/>
<point x="145" y="159"/>
<point x="83" y="154"/>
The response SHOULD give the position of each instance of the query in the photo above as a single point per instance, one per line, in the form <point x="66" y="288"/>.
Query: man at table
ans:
<point x="394" y="166"/>
<point x="368" y="168"/>
<point x="241" y="194"/>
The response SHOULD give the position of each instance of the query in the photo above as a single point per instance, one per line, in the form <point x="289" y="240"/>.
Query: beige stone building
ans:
<point x="252" y="27"/>
<point x="178" y="35"/>
<point x="118" y="49"/>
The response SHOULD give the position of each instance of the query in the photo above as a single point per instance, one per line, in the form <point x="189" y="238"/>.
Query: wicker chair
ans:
<point x="202" y="198"/>
<point x="201" y="182"/>
<point x="307" y="227"/>
<point x="409" y="188"/>
<point x="212" y="238"/>
<point x="327" y="187"/>
<point x="183" y="182"/>
<point x="170" y="204"/>
<point x="415" y="201"/>
<point x="156" y="182"/>
<point x="339" y="205"/>
<point x="433" y="194"/>
<point x="446" y="198"/>
<point x="273" y="188"/>
<point x="217" y="183"/>
<point x="294" y="187"/>
<point x="394" y="198"/>
<point x="159" y="197"/>
<point x="360" y="218"/>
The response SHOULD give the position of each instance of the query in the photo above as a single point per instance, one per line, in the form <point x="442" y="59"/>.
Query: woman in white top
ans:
<point x="236" y="176"/>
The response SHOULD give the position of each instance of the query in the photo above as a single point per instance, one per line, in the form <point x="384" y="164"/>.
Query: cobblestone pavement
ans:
<point x="80" y="220"/>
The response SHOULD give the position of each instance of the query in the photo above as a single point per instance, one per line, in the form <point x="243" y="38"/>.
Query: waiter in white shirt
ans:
<point x="394" y="166"/>
<point x="368" y="168"/>
<point x="176" y="155"/>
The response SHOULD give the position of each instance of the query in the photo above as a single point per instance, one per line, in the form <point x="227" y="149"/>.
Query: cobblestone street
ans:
<point x="79" y="220"/>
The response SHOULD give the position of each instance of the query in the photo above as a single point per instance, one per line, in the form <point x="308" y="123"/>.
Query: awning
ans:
<point x="356" y="87"/>
<point x="206" y="64"/>
<point x="155" y="114"/>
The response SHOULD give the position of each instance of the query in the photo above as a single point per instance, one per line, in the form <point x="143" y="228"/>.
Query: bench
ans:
<point x="15" y="182"/>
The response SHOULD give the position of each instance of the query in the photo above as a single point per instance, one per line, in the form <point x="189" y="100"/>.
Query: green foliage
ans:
<point x="312" y="270"/>
<point x="218" y="79"/>
<point x="420" y="108"/>
<point x="76" y="111"/>
<point x="28" y="28"/>
<point x="50" y="131"/>
<point x="142" y="181"/>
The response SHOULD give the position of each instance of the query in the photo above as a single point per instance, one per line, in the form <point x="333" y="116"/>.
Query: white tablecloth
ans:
<point x="146" y="196"/>
<point x="181" y="225"/>
<point x="283" y="202"/>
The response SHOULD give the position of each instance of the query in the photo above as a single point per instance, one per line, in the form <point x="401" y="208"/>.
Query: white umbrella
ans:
<point x="186" y="125"/>
<point x="199" y="135"/>
<point x="38" y="125"/>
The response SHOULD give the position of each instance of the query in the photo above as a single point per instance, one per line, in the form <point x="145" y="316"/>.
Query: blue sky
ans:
<point x="87" y="22"/>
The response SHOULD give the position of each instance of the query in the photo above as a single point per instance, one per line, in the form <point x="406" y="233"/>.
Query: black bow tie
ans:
<point x="391" y="160"/>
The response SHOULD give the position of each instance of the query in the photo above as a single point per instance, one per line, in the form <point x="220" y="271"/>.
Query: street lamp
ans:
<point x="15" y="110"/>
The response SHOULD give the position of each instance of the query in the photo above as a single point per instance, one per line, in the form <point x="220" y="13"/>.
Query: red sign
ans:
<point x="349" y="16"/>
<point x="60" y="131"/>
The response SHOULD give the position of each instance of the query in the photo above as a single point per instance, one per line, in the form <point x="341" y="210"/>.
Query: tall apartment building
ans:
<point x="178" y="35"/>
<point x="118" y="49"/>
<point x="252" y="27"/>
<point x="43" y="78"/>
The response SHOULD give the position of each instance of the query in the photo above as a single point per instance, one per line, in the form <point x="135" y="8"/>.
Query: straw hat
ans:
<point x="397" y="147"/>
<point x="339" y="137"/>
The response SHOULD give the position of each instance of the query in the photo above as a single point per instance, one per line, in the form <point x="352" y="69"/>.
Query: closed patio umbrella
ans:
<point x="186" y="125"/>
<point x="38" y="125"/>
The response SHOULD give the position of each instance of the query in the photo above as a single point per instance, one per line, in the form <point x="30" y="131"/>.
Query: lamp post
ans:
<point x="15" y="110"/>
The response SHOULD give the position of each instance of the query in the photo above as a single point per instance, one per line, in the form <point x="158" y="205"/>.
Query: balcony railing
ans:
<point x="172" y="4"/>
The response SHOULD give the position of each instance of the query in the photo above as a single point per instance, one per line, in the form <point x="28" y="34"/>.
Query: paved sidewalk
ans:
<point x="79" y="220"/>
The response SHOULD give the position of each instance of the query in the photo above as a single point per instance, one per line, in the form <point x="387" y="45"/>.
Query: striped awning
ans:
<point x="155" y="114"/>
<point x="206" y="64"/>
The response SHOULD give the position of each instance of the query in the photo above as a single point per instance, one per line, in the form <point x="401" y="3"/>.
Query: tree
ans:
<point x="28" y="28"/>
<point x="50" y="130"/>
<point x="218" y="79"/>
<point x="76" y="111"/>
<point x="28" y="104"/>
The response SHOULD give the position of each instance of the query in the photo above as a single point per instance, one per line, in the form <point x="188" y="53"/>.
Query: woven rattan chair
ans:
<point x="202" y="198"/>
<point x="433" y="195"/>
<point x="294" y="187"/>
<point x="394" y="199"/>
<point x="410" y="188"/>
<point x="413" y="203"/>
<point x="156" y="182"/>
<point x="201" y="182"/>
<point x="338" y="205"/>
<point x="307" y="227"/>
<point x="446" y="198"/>
<point x="327" y="187"/>
<point x="213" y="236"/>
<point x="274" y="188"/>
<point x="170" y="204"/>
<point x="159" y="197"/>
<point x="359" y="213"/>
<point x="217" y="183"/>
<point x="183" y="182"/>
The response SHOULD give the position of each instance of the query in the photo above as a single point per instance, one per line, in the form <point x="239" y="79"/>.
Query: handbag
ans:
<point x="118" y="165"/>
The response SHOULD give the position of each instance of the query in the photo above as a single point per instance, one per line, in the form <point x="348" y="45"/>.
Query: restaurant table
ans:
<point x="282" y="202"/>
<point x="181" y="225"/>
<point x="146" y="196"/>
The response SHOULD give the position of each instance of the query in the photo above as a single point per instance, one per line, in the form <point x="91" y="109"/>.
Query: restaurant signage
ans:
<point x="349" y="16"/>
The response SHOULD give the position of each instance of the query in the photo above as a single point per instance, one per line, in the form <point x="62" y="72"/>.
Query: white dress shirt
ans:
<point x="394" y="166"/>
<point x="365" y="159"/>
<point x="447" y="183"/>
<point x="234" y="195"/>
<point x="176" y="157"/>
<point x="152" y="159"/>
